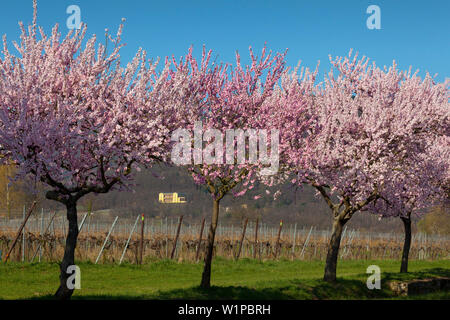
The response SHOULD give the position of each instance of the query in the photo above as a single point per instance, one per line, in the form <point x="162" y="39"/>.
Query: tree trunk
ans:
<point x="206" y="276"/>
<point x="63" y="292"/>
<point x="333" y="250"/>
<point x="406" y="244"/>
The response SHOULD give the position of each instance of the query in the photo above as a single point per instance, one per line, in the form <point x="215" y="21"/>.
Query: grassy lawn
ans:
<point x="245" y="279"/>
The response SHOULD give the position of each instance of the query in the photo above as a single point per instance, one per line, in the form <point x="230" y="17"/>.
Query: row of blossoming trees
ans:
<point x="72" y="117"/>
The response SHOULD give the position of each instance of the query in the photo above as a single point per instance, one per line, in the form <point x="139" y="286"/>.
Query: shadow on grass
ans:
<point x="287" y="290"/>
<point x="428" y="273"/>
<point x="295" y="289"/>
<point x="193" y="293"/>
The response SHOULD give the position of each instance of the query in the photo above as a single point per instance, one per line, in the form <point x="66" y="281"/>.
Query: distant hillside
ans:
<point x="295" y="205"/>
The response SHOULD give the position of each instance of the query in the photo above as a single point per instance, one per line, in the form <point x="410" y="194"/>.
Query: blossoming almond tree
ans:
<point x="228" y="112"/>
<point x="288" y="108"/>
<point x="424" y="185"/>
<point x="424" y="181"/>
<point x="77" y="121"/>
<point x="367" y="126"/>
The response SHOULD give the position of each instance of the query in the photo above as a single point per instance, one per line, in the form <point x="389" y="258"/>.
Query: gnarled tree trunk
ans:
<point x="63" y="292"/>
<point x="206" y="275"/>
<point x="407" y="243"/>
<point x="333" y="249"/>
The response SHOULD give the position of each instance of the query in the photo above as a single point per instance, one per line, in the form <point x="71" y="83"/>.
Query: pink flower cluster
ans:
<point x="73" y="117"/>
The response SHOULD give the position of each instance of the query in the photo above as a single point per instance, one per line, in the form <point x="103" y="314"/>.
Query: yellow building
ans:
<point x="171" y="198"/>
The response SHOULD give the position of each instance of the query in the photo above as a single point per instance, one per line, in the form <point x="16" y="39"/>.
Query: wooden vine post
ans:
<point x="242" y="239"/>
<point x="256" y="247"/>
<point x="176" y="238"/>
<point x="200" y="240"/>
<point x="141" y="245"/>
<point x="278" y="239"/>
<point x="24" y="222"/>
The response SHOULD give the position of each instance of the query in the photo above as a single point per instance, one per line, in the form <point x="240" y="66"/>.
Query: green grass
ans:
<point x="245" y="279"/>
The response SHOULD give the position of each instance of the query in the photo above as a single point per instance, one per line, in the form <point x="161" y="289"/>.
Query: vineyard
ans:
<point x="44" y="240"/>
<point x="206" y="143"/>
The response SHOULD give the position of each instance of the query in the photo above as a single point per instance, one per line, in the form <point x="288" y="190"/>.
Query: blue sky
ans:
<point x="414" y="33"/>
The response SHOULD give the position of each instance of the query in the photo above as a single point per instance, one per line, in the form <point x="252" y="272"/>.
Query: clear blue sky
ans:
<point x="414" y="33"/>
